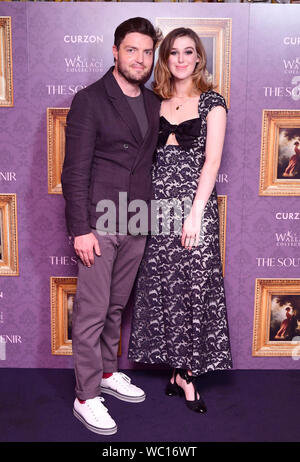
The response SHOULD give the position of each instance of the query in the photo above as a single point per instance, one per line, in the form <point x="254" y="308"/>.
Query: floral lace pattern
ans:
<point x="180" y="316"/>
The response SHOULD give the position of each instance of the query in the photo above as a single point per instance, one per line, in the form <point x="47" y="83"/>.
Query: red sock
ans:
<point x="106" y="375"/>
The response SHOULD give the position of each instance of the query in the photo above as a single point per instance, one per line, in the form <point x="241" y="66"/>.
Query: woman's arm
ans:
<point x="216" y="126"/>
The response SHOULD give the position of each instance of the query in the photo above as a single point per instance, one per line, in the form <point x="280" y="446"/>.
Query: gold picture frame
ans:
<point x="6" y="73"/>
<point x="216" y="36"/>
<point x="62" y="293"/>
<point x="276" y="314"/>
<point x="222" y="207"/>
<point x="56" y="135"/>
<point x="62" y="290"/>
<point x="9" y="261"/>
<point x="280" y="133"/>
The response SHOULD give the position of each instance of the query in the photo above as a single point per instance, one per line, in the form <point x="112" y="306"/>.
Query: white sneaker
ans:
<point x="94" y="415"/>
<point x="120" y="386"/>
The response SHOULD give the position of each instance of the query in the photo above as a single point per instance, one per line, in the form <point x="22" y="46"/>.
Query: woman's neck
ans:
<point x="184" y="88"/>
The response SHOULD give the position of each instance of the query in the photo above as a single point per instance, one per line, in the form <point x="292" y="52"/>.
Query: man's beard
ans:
<point x="131" y="79"/>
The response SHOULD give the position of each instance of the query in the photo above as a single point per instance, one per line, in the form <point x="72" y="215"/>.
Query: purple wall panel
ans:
<point x="19" y="315"/>
<point x="269" y="30"/>
<point x="48" y="69"/>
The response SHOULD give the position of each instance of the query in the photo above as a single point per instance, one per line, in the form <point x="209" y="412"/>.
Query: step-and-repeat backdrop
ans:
<point x="48" y="52"/>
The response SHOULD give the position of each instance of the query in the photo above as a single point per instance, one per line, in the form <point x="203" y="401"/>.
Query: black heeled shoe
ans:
<point x="198" y="405"/>
<point x="172" y="389"/>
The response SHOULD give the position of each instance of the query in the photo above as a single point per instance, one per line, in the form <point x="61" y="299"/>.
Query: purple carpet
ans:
<point x="243" y="406"/>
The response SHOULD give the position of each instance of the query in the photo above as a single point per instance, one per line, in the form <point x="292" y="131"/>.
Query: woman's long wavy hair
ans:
<point x="163" y="84"/>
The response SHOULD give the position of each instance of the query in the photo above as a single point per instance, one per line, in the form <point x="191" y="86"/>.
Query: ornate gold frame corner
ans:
<point x="264" y="289"/>
<point x="272" y="121"/>
<point x="222" y="207"/>
<point x="9" y="261"/>
<point x="6" y="66"/>
<point x="56" y="123"/>
<point x="60" y="289"/>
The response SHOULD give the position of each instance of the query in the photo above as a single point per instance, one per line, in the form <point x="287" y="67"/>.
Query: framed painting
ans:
<point x="6" y="73"/>
<point x="280" y="153"/>
<point x="62" y="294"/>
<point x="222" y="206"/>
<point x="56" y="134"/>
<point x="276" y="317"/>
<point x="9" y="262"/>
<point x="215" y="34"/>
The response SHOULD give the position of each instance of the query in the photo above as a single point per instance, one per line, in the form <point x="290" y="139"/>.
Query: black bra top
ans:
<point x="185" y="132"/>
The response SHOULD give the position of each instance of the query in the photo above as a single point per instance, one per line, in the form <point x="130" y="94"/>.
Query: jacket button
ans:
<point x="125" y="146"/>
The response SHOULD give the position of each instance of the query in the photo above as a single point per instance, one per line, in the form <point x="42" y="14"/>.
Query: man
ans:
<point x="112" y="128"/>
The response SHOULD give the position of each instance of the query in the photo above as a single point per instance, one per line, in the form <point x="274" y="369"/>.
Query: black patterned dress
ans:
<point x="179" y="315"/>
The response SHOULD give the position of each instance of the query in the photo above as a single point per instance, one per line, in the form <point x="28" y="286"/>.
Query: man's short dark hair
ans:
<point x="141" y="25"/>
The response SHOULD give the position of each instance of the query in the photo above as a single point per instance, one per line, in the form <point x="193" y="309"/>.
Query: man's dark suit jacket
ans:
<point x="105" y="152"/>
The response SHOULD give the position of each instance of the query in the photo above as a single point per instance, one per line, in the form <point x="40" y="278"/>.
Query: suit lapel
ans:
<point x="150" y="112"/>
<point x="120" y="103"/>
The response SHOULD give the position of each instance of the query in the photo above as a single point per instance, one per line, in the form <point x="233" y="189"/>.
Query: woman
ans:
<point x="283" y="331"/>
<point x="293" y="166"/>
<point x="180" y="314"/>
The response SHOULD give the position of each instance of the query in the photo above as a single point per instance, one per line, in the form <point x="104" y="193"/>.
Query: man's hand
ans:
<point x="84" y="247"/>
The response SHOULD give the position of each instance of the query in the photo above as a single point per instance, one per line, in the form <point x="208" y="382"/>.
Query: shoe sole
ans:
<point x="99" y="431"/>
<point x="129" y="399"/>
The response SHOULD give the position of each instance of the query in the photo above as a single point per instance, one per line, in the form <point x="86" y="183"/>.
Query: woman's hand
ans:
<point x="192" y="226"/>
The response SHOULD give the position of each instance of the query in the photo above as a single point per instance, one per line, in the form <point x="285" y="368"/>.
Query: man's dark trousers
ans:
<point x="102" y="293"/>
